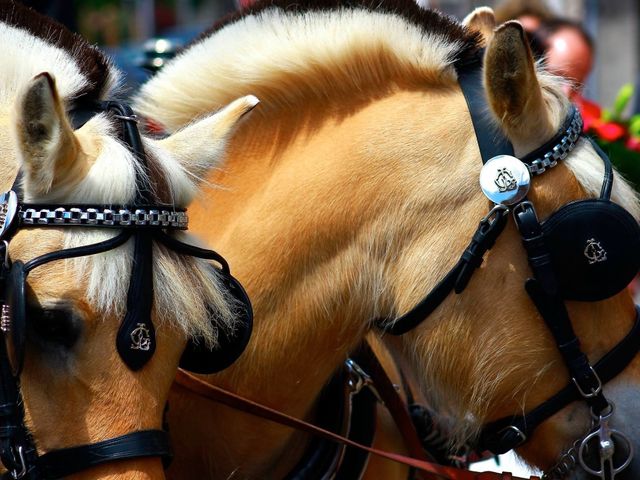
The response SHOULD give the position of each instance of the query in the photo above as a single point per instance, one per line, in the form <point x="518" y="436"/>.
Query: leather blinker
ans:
<point x="198" y="358"/>
<point x="595" y="248"/>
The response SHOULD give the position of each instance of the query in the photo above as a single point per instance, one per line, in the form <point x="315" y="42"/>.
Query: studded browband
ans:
<point x="14" y="214"/>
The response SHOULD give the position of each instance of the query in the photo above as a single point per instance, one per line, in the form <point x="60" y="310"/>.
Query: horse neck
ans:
<point x="306" y="219"/>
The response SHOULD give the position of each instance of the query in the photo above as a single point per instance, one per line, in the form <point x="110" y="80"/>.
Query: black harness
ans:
<point x="588" y="250"/>
<point x="146" y="221"/>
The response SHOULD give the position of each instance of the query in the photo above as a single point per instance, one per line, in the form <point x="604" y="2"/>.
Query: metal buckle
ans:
<point x="594" y="392"/>
<point x="498" y="208"/>
<point x="7" y="262"/>
<point x="23" y="464"/>
<point x="520" y="433"/>
<point x="359" y="379"/>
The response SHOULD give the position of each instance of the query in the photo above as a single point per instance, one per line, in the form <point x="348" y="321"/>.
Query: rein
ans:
<point x="225" y="397"/>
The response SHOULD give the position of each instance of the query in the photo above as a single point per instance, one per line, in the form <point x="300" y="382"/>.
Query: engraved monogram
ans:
<point x="594" y="252"/>
<point x="505" y="181"/>
<point x="140" y="338"/>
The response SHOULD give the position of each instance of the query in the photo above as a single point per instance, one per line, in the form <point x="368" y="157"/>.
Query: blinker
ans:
<point x="595" y="248"/>
<point x="505" y="180"/>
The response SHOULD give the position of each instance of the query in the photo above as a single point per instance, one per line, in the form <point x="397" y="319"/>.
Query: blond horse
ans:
<point x="348" y="194"/>
<point x="75" y="387"/>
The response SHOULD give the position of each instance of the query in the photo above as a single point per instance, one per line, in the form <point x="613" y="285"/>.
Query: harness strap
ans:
<point x="491" y="141"/>
<point x="232" y="400"/>
<point x="456" y="279"/>
<point x="67" y="461"/>
<point x="503" y="435"/>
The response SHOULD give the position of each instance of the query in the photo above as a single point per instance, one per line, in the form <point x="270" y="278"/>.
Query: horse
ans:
<point x="64" y="148"/>
<point x="347" y="197"/>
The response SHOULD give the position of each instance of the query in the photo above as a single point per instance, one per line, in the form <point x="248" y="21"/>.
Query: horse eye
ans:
<point x="57" y="326"/>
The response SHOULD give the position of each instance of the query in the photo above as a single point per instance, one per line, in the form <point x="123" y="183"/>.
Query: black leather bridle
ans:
<point x="144" y="221"/>
<point x="544" y="288"/>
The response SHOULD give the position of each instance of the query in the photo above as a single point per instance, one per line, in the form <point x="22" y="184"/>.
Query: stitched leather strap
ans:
<point x="67" y="461"/>
<point x="219" y="395"/>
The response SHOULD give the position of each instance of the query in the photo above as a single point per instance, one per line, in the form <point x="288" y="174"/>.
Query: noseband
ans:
<point x="145" y="221"/>
<point x="588" y="250"/>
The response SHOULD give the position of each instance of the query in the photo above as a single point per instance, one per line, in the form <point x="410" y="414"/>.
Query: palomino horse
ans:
<point x="350" y="194"/>
<point x="75" y="386"/>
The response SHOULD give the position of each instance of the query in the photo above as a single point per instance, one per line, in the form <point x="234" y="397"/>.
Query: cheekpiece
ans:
<point x="505" y="180"/>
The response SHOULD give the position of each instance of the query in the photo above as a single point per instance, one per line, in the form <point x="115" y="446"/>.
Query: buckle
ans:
<point x="594" y="391"/>
<point x="359" y="379"/>
<point x="521" y="436"/>
<point x="16" y="473"/>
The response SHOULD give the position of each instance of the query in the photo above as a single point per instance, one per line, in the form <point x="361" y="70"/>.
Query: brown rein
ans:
<point x="232" y="400"/>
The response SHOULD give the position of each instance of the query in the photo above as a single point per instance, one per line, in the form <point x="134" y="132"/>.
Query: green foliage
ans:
<point x="622" y="100"/>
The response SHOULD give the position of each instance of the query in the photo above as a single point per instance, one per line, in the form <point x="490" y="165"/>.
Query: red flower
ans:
<point x="633" y="143"/>
<point x="610" y="131"/>
<point x="590" y="111"/>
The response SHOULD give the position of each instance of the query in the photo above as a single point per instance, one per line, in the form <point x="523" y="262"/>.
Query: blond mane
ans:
<point x="288" y="56"/>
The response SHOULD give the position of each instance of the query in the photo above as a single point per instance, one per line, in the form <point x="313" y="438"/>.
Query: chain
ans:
<point x="105" y="217"/>
<point x="565" y="465"/>
<point x="560" y="149"/>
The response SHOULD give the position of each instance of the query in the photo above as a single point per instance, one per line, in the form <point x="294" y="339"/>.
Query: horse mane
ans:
<point x="287" y="53"/>
<point x="34" y="43"/>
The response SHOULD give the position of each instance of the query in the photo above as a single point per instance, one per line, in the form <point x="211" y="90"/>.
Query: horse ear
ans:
<point x="200" y="146"/>
<point x="45" y="140"/>
<point x="483" y="21"/>
<point x="515" y="96"/>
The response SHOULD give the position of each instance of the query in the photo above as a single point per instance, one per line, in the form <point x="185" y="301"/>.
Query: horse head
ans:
<point x="72" y="321"/>
<point x="351" y="196"/>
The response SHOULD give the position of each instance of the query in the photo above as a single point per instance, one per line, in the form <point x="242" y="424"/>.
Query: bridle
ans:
<point x="608" y="258"/>
<point x="144" y="221"/>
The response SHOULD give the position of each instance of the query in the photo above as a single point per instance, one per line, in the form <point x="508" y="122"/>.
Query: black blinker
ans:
<point x="198" y="358"/>
<point x="595" y="249"/>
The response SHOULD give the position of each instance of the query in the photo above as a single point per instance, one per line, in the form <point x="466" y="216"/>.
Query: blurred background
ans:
<point x="123" y="25"/>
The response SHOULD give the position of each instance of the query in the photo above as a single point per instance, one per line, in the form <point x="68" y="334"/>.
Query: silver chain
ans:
<point x="565" y="465"/>
<point x="105" y="217"/>
<point x="560" y="150"/>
